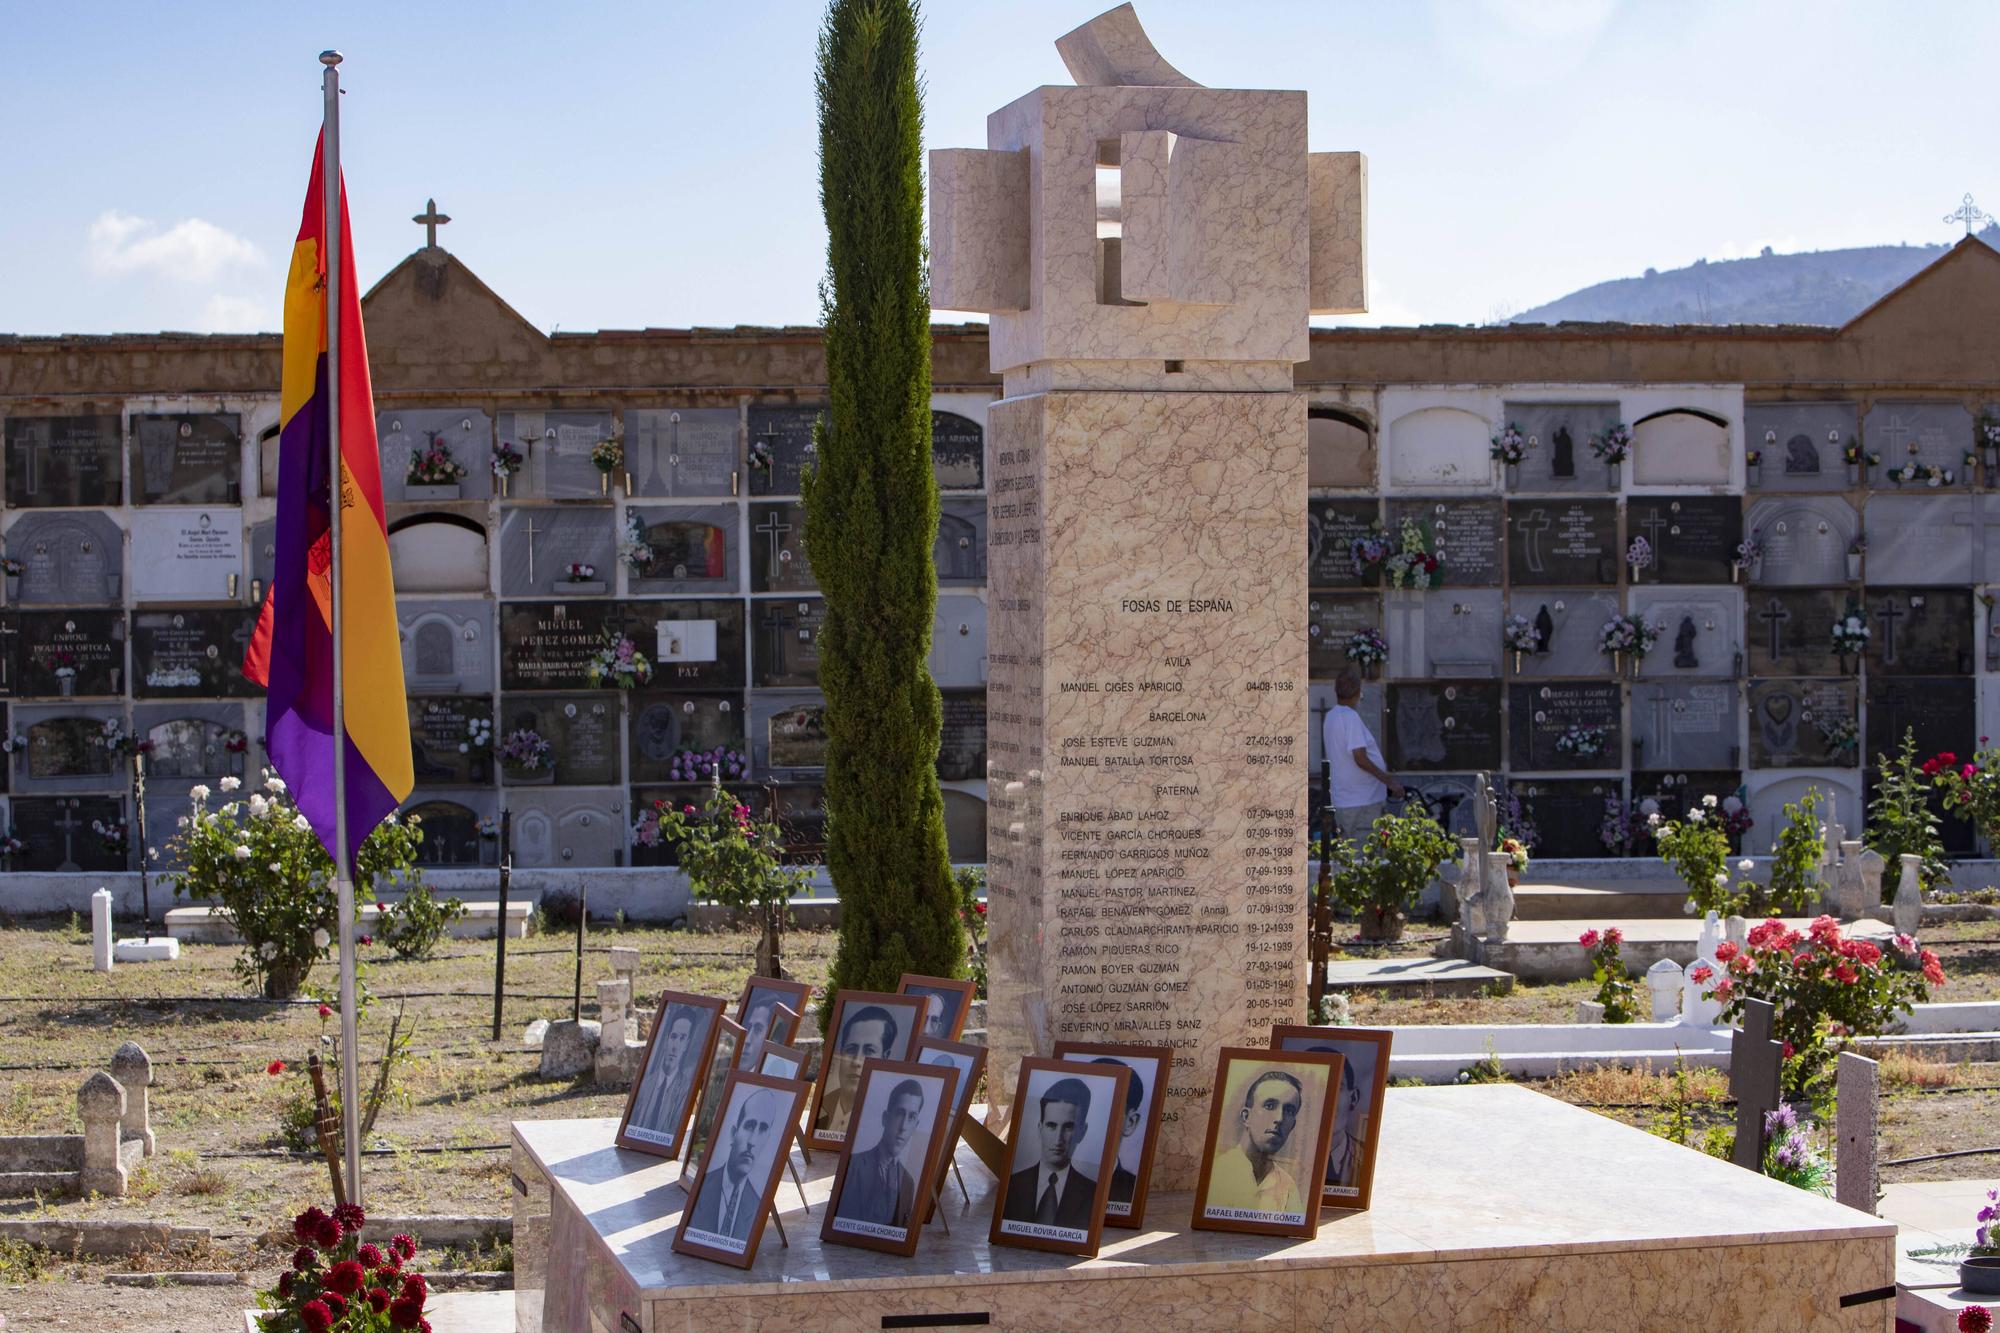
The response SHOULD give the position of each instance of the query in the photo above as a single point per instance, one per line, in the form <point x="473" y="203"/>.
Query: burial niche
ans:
<point x="1683" y="446"/>
<point x="1340" y="448"/>
<point x="438" y="553"/>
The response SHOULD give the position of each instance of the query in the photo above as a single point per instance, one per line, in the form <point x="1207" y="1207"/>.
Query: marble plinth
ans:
<point x="1497" y="1209"/>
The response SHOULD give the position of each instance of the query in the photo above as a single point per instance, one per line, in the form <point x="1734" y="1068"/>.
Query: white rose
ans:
<point x="320" y="938"/>
<point x="231" y="784"/>
<point x="1708" y="801"/>
<point x="268" y="949"/>
<point x="275" y="783"/>
<point x="1688" y="907"/>
<point x="183" y="823"/>
<point x="242" y="852"/>
<point x="302" y="824"/>
<point x="275" y="867"/>
<point x="1746" y="865"/>
<point x="1694" y="816"/>
<point x="1653" y="820"/>
<point x="229" y="811"/>
<point x="199" y="791"/>
<point x="1722" y="877"/>
<point x="258" y="807"/>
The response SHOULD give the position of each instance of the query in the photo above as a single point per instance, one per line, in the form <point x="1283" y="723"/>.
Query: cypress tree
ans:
<point x="871" y="510"/>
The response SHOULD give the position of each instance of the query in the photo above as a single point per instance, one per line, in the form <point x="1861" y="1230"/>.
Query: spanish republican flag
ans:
<point x="291" y="653"/>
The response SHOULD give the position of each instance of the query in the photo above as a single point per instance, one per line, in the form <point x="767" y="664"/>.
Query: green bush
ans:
<point x="413" y="927"/>
<point x="1378" y="877"/>
<point x="1796" y="858"/>
<point x="1900" y="821"/>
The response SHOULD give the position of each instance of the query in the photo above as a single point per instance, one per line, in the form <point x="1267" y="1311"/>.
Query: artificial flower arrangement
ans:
<point x="633" y="548"/>
<point x="488" y="826"/>
<point x="619" y="663"/>
<point x="113" y="836"/>
<point x="1518" y="633"/>
<point x="1639" y="555"/>
<point x="581" y="571"/>
<point x="507" y="460"/>
<point x="12" y="568"/>
<point x="235" y="742"/>
<point x="1629" y="634"/>
<point x="1371" y="548"/>
<point x="478" y="734"/>
<point x="1841" y="736"/>
<point x="1367" y="647"/>
<point x="1510" y="446"/>
<point x="608" y="455"/>
<point x="1989" y="431"/>
<point x="1516" y="853"/>
<point x="1584" y="742"/>
<point x="701" y="765"/>
<point x="12" y="845"/>
<point x="525" y="750"/>
<point x="1930" y="474"/>
<point x="1850" y="632"/>
<point x="1748" y="551"/>
<point x="336" y="1281"/>
<point x="1413" y="565"/>
<point x="1856" y="456"/>
<point x="434" y="466"/>
<point x="1613" y="444"/>
<point x="1754" y="457"/>
<point x="62" y="664"/>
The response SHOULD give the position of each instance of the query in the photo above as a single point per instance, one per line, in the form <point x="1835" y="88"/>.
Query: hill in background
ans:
<point x="1816" y="287"/>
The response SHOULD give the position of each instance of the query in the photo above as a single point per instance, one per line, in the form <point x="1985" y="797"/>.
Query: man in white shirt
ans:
<point x="1362" y="782"/>
<point x="1247" y="1177"/>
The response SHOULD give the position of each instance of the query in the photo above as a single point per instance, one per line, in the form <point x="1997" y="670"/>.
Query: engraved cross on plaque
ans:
<point x="1531" y="526"/>
<point x="69" y="824"/>
<point x="775" y="530"/>
<point x="1663" y="732"/>
<point x="1655" y="524"/>
<point x="1889" y="615"/>
<point x="431" y="220"/>
<point x="1775" y="615"/>
<point x="532" y="530"/>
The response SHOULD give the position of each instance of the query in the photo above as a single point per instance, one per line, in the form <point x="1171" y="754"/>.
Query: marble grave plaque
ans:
<point x="1927" y="538"/>
<point x="465" y="432"/>
<point x="1790" y="630"/>
<point x="1920" y="631"/>
<point x="549" y="645"/>
<point x="962" y="747"/>
<point x="1682" y="446"/>
<point x="958" y="451"/>
<point x="663" y="725"/>
<point x="440" y="552"/>
<point x="1941" y="712"/>
<point x="440" y="745"/>
<point x="778" y="559"/>
<point x="964" y="826"/>
<point x="65" y="461"/>
<point x="538" y="545"/>
<point x="453" y="830"/>
<point x="1551" y="543"/>
<point x="192" y="654"/>
<point x="63" y="653"/>
<point x="582" y="729"/>
<point x="960" y="550"/>
<point x="685" y="452"/>
<point x="1567" y="623"/>
<point x="1686" y="724"/>
<point x="1461" y="633"/>
<point x="1559" y="457"/>
<point x="1567" y="812"/>
<point x="1770" y="793"/>
<point x="187" y="555"/>
<point x="1436" y="727"/>
<point x="1797" y="723"/>
<point x="57" y="831"/>
<point x="1330" y="620"/>
<point x="1331" y="527"/>
<point x="1702" y="629"/>
<point x="1439" y="447"/>
<point x="1676" y="791"/>
<point x="568" y="829"/>
<point x="187" y="458"/>
<point x="1466" y="536"/>
<point x="1805" y="540"/>
<point x="788" y="734"/>
<point x="66" y="751"/>
<point x="447" y="646"/>
<point x="1694" y="538"/>
<point x="193" y="741"/>
<point x="70" y="559"/>
<point x="958" y="641"/>
<point x="1932" y="434"/>
<point x="1539" y="714"/>
<point x="693" y="550"/>
<point x="695" y="645"/>
<point x="555" y="452"/>
<point x="781" y="447"/>
<point x="786" y="652"/>
<point x="1803" y="445"/>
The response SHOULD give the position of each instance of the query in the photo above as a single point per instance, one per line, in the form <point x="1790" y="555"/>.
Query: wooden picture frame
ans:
<point x="662" y="1097"/>
<point x="954" y="996"/>
<point x="714" y="1225"/>
<point x="795" y="995"/>
<point x="1226" y="1196"/>
<point x="970" y="1062"/>
<point x="729" y="1041"/>
<point x="1364" y="1075"/>
<point x="1145" y="1099"/>
<point x="1078" y="1224"/>
<point x="864" y="1217"/>
<point x="778" y="1017"/>
<point x="775" y="1061"/>
<point x="840" y="1068"/>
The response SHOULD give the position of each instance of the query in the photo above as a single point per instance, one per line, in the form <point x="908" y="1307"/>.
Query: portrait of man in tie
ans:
<point x="1062" y="1149"/>
<point x="889" y="1168"/>
<point x="1055" y="1191"/>
<point x="728" y="1201"/>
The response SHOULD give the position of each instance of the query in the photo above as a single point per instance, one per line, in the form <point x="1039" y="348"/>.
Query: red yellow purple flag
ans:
<point x="291" y="653"/>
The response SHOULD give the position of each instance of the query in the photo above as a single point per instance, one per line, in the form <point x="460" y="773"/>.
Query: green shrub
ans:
<point x="1900" y="821"/>
<point x="413" y="927"/>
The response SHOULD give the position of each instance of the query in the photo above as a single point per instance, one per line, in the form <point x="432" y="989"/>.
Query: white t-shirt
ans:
<point x="1345" y="733"/>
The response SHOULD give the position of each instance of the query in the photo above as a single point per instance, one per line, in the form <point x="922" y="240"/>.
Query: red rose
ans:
<point x="1588" y="939"/>
<point x="404" y="1244"/>
<point x="350" y="1216"/>
<point x="315" y="1317"/>
<point x="378" y="1299"/>
<point x="286" y="1281"/>
<point x="423" y="1326"/>
<point x="1613" y="935"/>
<point x="405" y="1313"/>
<point x="345" y="1277"/>
<point x="334" y="1302"/>
<point x="1725" y="951"/>
<point x="306" y="1223"/>
<point x="365" y="939"/>
<point x="275" y="1068"/>
<point x="304" y="1257"/>
<point x="328" y="1234"/>
<point x="369" y="1256"/>
<point x="415" y="1288"/>
<point x="1975" y="1318"/>
<point x="325" y="1012"/>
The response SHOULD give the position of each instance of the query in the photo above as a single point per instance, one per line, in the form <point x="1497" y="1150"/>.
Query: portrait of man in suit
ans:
<point x="1343" y="1162"/>
<point x="1247" y="1175"/>
<point x="1124" y="1183"/>
<point x="869" y="1033"/>
<point x="727" y="1201"/>
<point x="1054" y="1192"/>
<point x="879" y="1187"/>
<point x="669" y="1078"/>
<point x="756" y="1029"/>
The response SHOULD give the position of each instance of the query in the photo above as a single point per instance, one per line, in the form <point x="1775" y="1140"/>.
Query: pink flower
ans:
<point x="1725" y="951"/>
<point x="1975" y="1318"/>
<point x="1588" y="939"/>
<point x="1933" y="970"/>
<point x="1700" y="973"/>
<point x="1613" y="935"/>
<point x="325" y="1012"/>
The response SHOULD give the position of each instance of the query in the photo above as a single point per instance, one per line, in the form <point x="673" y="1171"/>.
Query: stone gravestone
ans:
<point x="65" y="653"/>
<point x="1682" y="447"/>
<point x="453" y="833"/>
<point x="1559" y="457"/>
<point x="1857" y="1179"/>
<point x="1539" y="714"/>
<point x="958" y="451"/>
<point x="1567" y="812"/>
<point x="555" y="450"/>
<point x="441" y="747"/>
<point x="263" y="558"/>
<point x="447" y="646"/>
<point x="1755" y="1061"/>
<point x="434" y="552"/>
<point x="958" y="642"/>
<point x="692" y="549"/>
<point x="788" y="734"/>
<point x="550" y="645"/>
<point x="465" y="432"/>
<point x="1791" y="630"/>
<point x="663" y="725"/>
<point x="1702" y="631"/>
<point x="1552" y="543"/>
<point x="781" y="447"/>
<point x="583" y="730"/>
<point x="1450" y="798"/>
<point x="538" y="545"/>
<point x="58" y="833"/>
<point x="1461" y="633"/>
<point x="1443" y="728"/>
<point x="1920" y="631"/>
<point x="1805" y="540"/>
<point x="1172" y="562"/>
<point x="960" y="550"/>
<point x="1694" y="538"/>
<point x="1986" y="529"/>
<point x="1802" y="444"/>
<point x="1920" y="539"/>
<point x="1686" y="724"/>
<point x="685" y="452"/>
<point x="785" y="642"/>
<point x="70" y="559"/>
<point x="66" y="751"/>
<point x="1567" y="626"/>
<point x="778" y="560"/>
<point x="1466" y="536"/>
<point x="568" y="829"/>
<point x="1805" y="724"/>
<point x="697" y="645"/>
<point x="1941" y="713"/>
<point x="1438" y="447"/>
<point x="193" y="458"/>
<point x="1331" y="529"/>
<point x="193" y="741"/>
<point x="1770" y="793"/>
<point x="64" y="461"/>
<point x="192" y="654"/>
<point x="1330" y="621"/>
<point x="1930" y="434"/>
<point x="964" y="826"/>
<point x="962" y="749"/>
<point x="187" y="555"/>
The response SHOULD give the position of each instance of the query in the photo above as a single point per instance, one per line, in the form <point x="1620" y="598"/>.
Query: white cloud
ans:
<point x="222" y="313"/>
<point x="192" y="250"/>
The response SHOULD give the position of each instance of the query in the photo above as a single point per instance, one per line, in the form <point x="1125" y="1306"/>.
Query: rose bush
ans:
<point x="1379" y="876"/>
<point x="339" y="1284"/>
<point x="728" y="857"/>
<point x="1616" y="990"/>
<point x="1697" y="847"/>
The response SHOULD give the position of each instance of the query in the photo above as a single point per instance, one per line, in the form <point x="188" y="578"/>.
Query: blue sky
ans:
<point x="621" y="165"/>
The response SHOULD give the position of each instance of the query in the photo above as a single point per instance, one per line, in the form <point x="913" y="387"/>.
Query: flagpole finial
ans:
<point x="329" y="58"/>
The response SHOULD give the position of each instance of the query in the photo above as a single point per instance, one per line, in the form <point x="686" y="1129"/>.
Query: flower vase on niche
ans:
<point x="1513" y="476"/>
<point x="1853" y="566"/>
<point x="1632" y="665"/>
<point x="1753" y="473"/>
<point x="66" y="686"/>
<point x="1611" y="477"/>
<point x="1617" y="664"/>
<point x="1371" y="671"/>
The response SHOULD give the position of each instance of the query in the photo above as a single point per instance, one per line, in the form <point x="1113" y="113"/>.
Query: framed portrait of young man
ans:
<point x="947" y="1003"/>
<point x="726" y="1210"/>
<point x="670" y="1077"/>
<point x="865" y="1025"/>
<point x="1270" y="1115"/>
<point x="1357" y="1105"/>
<point x="762" y="1010"/>
<point x="1062" y="1146"/>
<point x="894" y="1151"/>
<point x="1138" y="1125"/>
<point x="728" y="1044"/>
<point x="782" y="1061"/>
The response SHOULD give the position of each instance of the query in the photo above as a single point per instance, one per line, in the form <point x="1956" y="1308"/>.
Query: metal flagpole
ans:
<point x="350" y="1041"/>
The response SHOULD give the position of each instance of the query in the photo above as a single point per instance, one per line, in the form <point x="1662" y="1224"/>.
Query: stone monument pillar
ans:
<point x="1149" y="251"/>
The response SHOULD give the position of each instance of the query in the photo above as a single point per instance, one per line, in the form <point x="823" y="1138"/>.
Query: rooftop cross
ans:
<point x="432" y="220"/>
<point x="1969" y="213"/>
